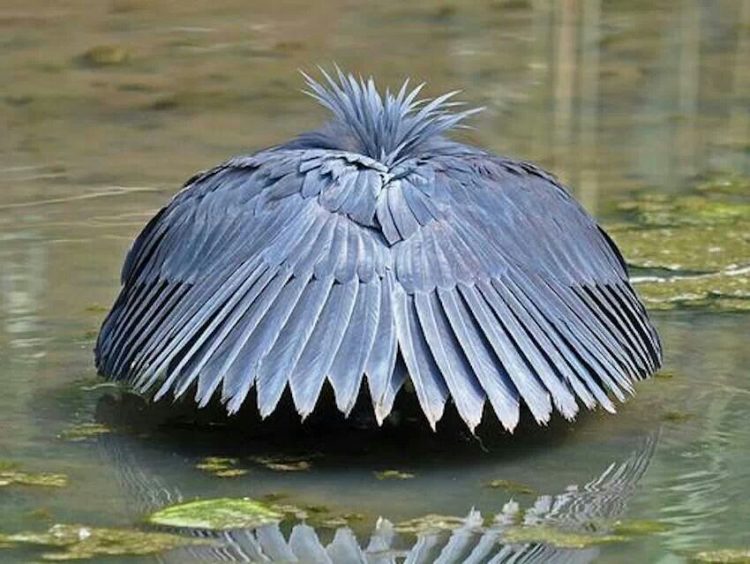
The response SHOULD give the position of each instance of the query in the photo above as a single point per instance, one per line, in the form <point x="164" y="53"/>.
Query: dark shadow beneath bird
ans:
<point x="404" y="437"/>
<point x="375" y="252"/>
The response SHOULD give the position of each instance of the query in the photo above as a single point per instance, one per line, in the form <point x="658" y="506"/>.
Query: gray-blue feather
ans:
<point x="376" y="250"/>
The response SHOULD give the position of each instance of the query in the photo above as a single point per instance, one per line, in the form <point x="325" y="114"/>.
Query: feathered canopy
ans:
<point x="387" y="127"/>
<point x="377" y="249"/>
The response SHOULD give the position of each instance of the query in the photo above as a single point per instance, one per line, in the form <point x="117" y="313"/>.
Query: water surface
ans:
<point x="617" y="98"/>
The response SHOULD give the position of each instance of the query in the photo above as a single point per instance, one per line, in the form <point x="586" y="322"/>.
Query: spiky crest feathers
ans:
<point x="385" y="127"/>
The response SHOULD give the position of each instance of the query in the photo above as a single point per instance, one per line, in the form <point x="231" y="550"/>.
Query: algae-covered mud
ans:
<point x="11" y="474"/>
<point x="696" y="244"/>
<point x="106" y="108"/>
<point x="213" y="514"/>
<point x="78" y="542"/>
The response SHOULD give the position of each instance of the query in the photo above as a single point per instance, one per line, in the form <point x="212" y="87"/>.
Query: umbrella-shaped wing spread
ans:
<point x="476" y="277"/>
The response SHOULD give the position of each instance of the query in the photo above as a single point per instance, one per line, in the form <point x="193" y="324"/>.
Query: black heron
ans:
<point x="376" y="248"/>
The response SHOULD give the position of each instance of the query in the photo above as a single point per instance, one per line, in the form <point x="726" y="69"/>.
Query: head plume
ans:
<point x="385" y="127"/>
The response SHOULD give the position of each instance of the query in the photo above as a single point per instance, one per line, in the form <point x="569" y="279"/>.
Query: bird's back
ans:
<point x="375" y="248"/>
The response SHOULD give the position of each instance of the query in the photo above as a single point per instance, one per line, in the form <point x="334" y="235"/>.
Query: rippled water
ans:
<point x="615" y="97"/>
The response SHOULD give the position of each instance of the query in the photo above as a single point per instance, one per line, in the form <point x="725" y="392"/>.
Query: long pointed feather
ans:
<point x="550" y="340"/>
<point x="382" y="356"/>
<point x="276" y="366"/>
<point x="348" y="365"/>
<point x="211" y="330"/>
<point x="307" y="377"/>
<point x="214" y="369"/>
<point x="561" y="395"/>
<point x="500" y="390"/>
<point x="464" y="387"/>
<point x="164" y="353"/>
<point x="242" y="368"/>
<point x="425" y="375"/>
<point x="535" y="397"/>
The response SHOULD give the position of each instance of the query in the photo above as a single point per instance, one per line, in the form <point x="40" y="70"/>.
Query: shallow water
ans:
<point x="615" y="97"/>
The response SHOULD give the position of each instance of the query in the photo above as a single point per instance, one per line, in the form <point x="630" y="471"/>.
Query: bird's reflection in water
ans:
<point x="150" y="483"/>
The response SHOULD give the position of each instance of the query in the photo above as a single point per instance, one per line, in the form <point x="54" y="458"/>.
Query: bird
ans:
<point x="377" y="253"/>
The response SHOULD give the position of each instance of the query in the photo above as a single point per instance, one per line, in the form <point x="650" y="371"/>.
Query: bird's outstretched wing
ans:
<point x="267" y="272"/>
<point x="511" y="293"/>
<point x="296" y="266"/>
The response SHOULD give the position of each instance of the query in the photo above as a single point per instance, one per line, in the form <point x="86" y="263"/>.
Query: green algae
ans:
<point x="393" y="475"/>
<point x="316" y="515"/>
<point x="8" y="465"/>
<point x="105" y="56"/>
<point x="694" y="248"/>
<point x="102" y="386"/>
<point x="217" y="514"/>
<point x="353" y="516"/>
<point x="557" y="537"/>
<point x="702" y="237"/>
<point x="432" y="523"/>
<point x="320" y="516"/>
<point x="676" y="416"/>
<point x="510" y="486"/>
<point x="725" y="291"/>
<point x="663" y="210"/>
<point x="725" y="183"/>
<point x="283" y="464"/>
<point x="79" y="542"/>
<point x="639" y="527"/>
<point x="334" y="522"/>
<point x="221" y="467"/>
<point x="11" y="474"/>
<point x="291" y="510"/>
<point x="42" y="479"/>
<point x="84" y="431"/>
<point x="722" y="556"/>
<point x="230" y="473"/>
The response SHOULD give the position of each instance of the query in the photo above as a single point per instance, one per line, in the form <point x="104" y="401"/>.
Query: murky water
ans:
<point x="615" y="97"/>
